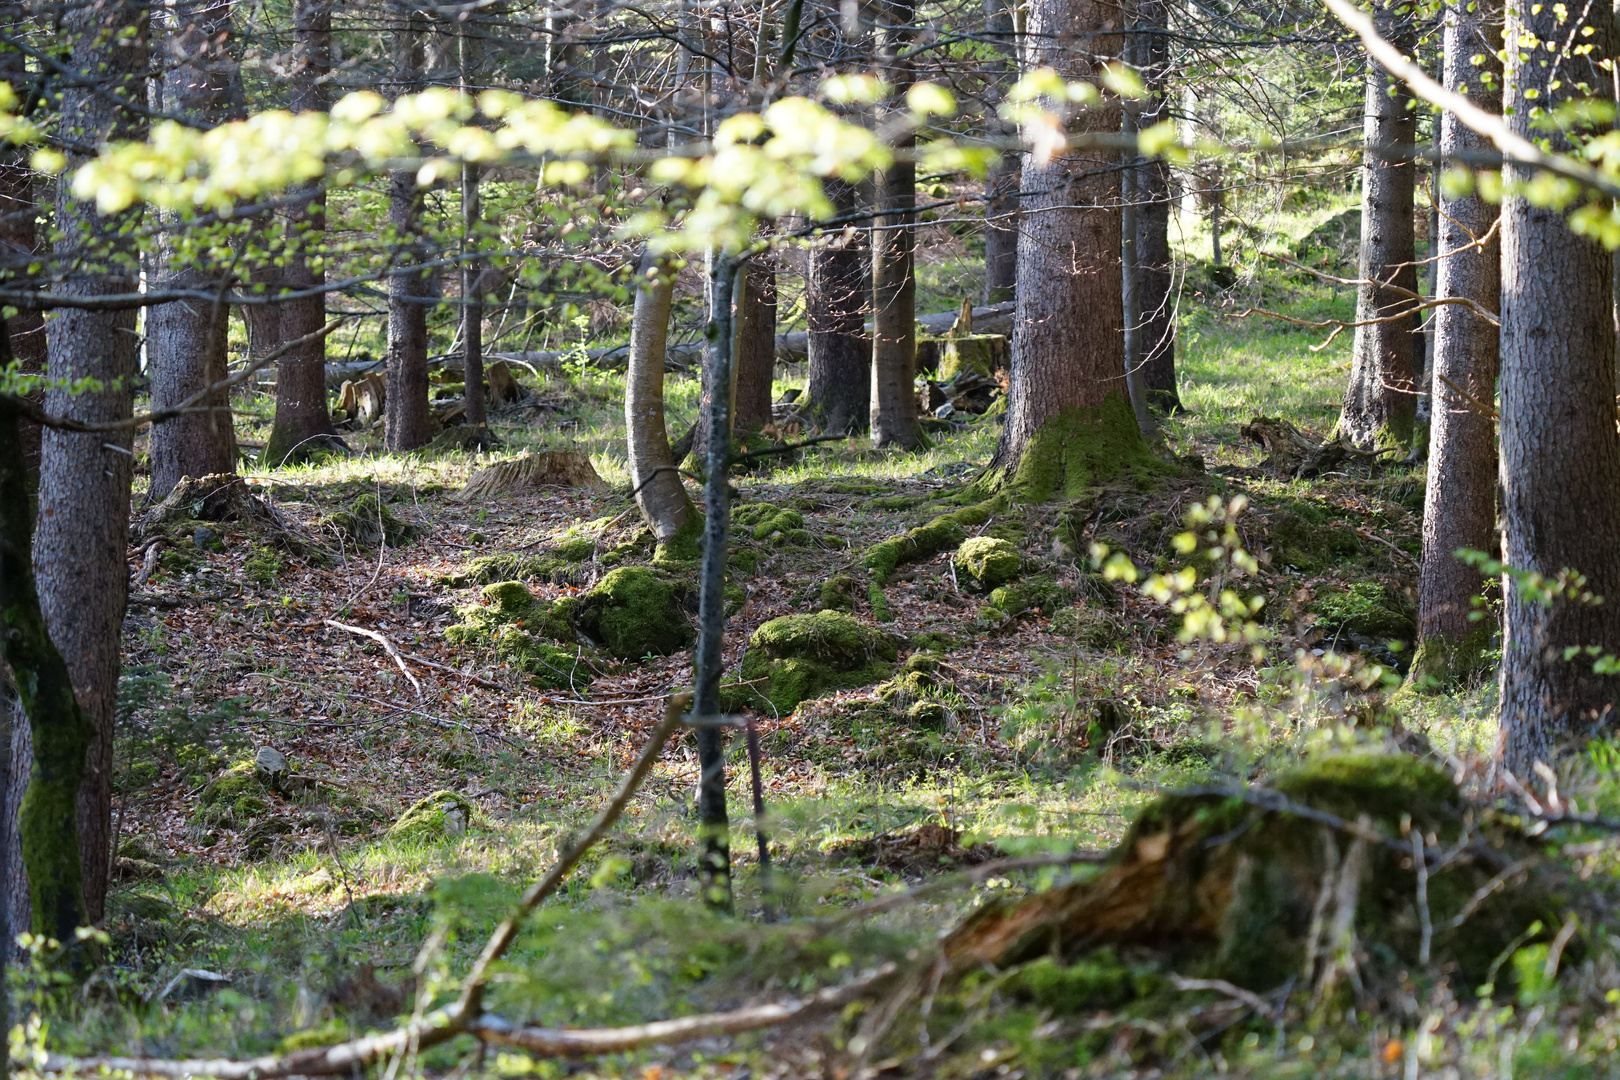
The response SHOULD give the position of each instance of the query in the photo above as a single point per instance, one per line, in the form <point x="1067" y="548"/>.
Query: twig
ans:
<point x="1470" y="398"/>
<point x="1365" y="535"/>
<point x="485" y="683"/>
<point x="393" y="650"/>
<point x="1420" y="863"/>
<point x="1237" y="993"/>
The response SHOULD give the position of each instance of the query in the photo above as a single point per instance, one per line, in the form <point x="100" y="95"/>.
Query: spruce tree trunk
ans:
<point x="302" y="421"/>
<point x="186" y="342"/>
<point x="659" y="492"/>
<point x="1560" y="456"/>
<point x="1380" y="403"/>
<point x="894" y="286"/>
<point x="472" y="311"/>
<point x="1001" y="189"/>
<point x="756" y="344"/>
<point x="1067" y="382"/>
<point x="19" y="238"/>
<point x="839" y="353"/>
<point x="1459" y="510"/>
<point x="408" y="423"/>
<point x="1156" y="265"/>
<point x="79" y="544"/>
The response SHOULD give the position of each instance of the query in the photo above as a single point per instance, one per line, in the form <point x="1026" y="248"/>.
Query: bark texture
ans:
<point x="79" y="543"/>
<point x="1459" y="510"/>
<point x="838" y="350"/>
<point x="1001" y="189"/>
<point x="186" y="341"/>
<point x="894" y="285"/>
<point x="659" y="492"/>
<point x="756" y="344"/>
<point x="1560" y="456"/>
<point x="19" y="237"/>
<point x="1380" y="403"/>
<point x="302" y="421"/>
<point x="1068" y="353"/>
<point x="408" y="423"/>
<point x="1155" y="264"/>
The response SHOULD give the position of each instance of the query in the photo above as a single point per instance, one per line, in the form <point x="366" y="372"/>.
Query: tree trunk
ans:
<point x="894" y="286"/>
<point x="1066" y="404"/>
<point x="1560" y="456"/>
<point x="79" y="544"/>
<point x="408" y="423"/>
<point x="1001" y="189"/>
<point x="1156" y="265"/>
<point x="1130" y="264"/>
<point x="838" y="351"/>
<point x="1381" y="400"/>
<point x="1459" y="510"/>
<point x="756" y="344"/>
<point x="659" y="492"/>
<point x="472" y="300"/>
<point x="186" y="342"/>
<point x="302" y="420"/>
<point x="19" y="238"/>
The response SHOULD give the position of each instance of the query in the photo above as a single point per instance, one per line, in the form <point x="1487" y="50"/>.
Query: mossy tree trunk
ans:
<point x="894" y="284"/>
<point x="408" y="422"/>
<point x="186" y="346"/>
<point x="302" y="421"/>
<point x="659" y="492"/>
<point x="1459" y="510"/>
<point x="1380" y="403"/>
<point x="1560" y="455"/>
<point x="1067" y="382"/>
<point x="84" y="483"/>
<point x="839" y="353"/>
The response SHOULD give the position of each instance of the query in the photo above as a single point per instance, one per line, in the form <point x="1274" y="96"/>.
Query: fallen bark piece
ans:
<point x="546" y="468"/>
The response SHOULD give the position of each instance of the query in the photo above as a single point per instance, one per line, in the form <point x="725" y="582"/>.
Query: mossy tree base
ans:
<point x="1077" y="449"/>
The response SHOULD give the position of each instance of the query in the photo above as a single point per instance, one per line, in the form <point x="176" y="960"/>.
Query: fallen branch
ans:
<point x="1237" y="993"/>
<point x="485" y="683"/>
<point x="393" y="650"/>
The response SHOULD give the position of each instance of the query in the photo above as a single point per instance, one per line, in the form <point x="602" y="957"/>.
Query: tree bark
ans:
<point x="756" y="344"/>
<point x="894" y="285"/>
<point x="408" y="423"/>
<point x="1560" y="456"/>
<point x="186" y="342"/>
<point x="1067" y="382"/>
<point x="1001" y="188"/>
<point x="837" y="348"/>
<point x="19" y="237"/>
<point x="1380" y="403"/>
<point x="1459" y="510"/>
<point x="659" y="492"/>
<point x="302" y="421"/>
<point x="79" y="543"/>
<point x="1156" y="264"/>
<point x="472" y="300"/>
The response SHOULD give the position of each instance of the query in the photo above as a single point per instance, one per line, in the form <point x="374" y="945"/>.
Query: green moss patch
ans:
<point x="768" y="524"/>
<point x="925" y="541"/>
<point x="1082" y="447"/>
<point x="1035" y="593"/>
<point x="368" y="522"/>
<point x="442" y="815"/>
<point x="799" y="657"/>
<point x="511" y="619"/>
<point x="979" y="354"/>
<point x="1310" y="542"/>
<point x="634" y="611"/>
<point x="1363" y="610"/>
<point x="987" y="561"/>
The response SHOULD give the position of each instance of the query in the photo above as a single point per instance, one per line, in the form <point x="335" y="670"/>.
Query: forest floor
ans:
<point x="1054" y="728"/>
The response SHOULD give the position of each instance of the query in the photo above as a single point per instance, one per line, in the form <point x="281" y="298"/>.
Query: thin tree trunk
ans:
<point x="1156" y="264"/>
<point x="1067" y="383"/>
<point x="472" y="300"/>
<point x="838" y="351"/>
<point x="1130" y="264"/>
<point x="1001" y="189"/>
<point x="1560" y="456"/>
<point x="756" y="344"/>
<point x="894" y="285"/>
<point x="84" y="484"/>
<point x="1381" y="400"/>
<point x="186" y="342"/>
<point x="19" y="237"/>
<point x="1460" y="508"/>
<point x="302" y="421"/>
<point x="408" y="422"/>
<point x="659" y="493"/>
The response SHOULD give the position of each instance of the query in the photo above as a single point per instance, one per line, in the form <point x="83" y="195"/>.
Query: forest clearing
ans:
<point x="853" y="540"/>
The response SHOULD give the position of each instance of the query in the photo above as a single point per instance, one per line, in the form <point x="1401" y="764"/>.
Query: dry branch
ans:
<point x="393" y="650"/>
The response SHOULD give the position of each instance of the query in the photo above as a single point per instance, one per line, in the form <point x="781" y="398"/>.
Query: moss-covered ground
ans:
<point x="1037" y="715"/>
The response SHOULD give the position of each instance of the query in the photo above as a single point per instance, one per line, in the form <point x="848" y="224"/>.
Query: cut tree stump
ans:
<point x="1290" y="452"/>
<point x="546" y="468"/>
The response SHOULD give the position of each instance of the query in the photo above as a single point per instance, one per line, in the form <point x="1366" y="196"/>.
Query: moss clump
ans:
<point x="575" y="548"/>
<point x="510" y="618"/>
<point x="925" y="541"/>
<point x="1089" y="627"/>
<point x="1440" y="664"/>
<point x="1097" y="980"/>
<point x="1036" y="593"/>
<point x="777" y="526"/>
<point x="1363" y="610"/>
<point x="916" y="682"/>
<point x="980" y="354"/>
<point x="234" y="783"/>
<point x="549" y="667"/>
<point x="1311" y="545"/>
<point x="263" y="566"/>
<point x="368" y="522"/>
<point x="1079" y="448"/>
<point x="634" y="611"/>
<point x="178" y="560"/>
<point x="442" y="814"/>
<point x="929" y="716"/>
<point x="685" y="546"/>
<point x="878" y="601"/>
<point x="838" y="593"/>
<point x="799" y="657"/>
<point x="987" y="561"/>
